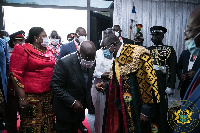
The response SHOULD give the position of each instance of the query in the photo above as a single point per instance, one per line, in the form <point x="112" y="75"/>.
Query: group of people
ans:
<point x="50" y="86"/>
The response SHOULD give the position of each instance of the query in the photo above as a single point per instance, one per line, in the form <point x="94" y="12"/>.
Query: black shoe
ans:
<point x="83" y="129"/>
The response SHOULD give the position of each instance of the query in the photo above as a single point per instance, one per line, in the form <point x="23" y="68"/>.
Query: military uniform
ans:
<point x="164" y="62"/>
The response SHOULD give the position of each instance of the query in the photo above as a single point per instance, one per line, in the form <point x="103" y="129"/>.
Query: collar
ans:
<point x="120" y="49"/>
<point x="75" y="42"/>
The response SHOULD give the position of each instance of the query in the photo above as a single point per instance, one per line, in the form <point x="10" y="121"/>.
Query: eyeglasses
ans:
<point x="186" y="32"/>
<point x="107" y="47"/>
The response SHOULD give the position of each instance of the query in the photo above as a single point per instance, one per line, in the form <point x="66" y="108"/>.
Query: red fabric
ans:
<point x="86" y="124"/>
<point x="20" y="35"/>
<point x="112" y="119"/>
<point x="32" y="69"/>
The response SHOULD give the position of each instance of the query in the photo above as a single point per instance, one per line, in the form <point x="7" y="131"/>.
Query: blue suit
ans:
<point x="66" y="49"/>
<point x="4" y="65"/>
<point x="194" y="98"/>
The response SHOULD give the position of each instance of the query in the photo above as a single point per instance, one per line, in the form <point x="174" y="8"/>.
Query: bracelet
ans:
<point x="73" y="103"/>
<point x="22" y="99"/>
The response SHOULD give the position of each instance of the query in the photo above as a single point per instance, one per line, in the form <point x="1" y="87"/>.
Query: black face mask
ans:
<point x="156" y="40"/>
<point x="138" y="43"/>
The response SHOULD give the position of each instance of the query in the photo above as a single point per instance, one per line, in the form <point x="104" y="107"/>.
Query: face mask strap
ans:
<point x="197" y="35"/>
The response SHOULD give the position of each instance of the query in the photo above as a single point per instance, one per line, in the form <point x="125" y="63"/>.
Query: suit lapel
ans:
<point x="196" y="65"/>
<point x="187" y="60"/>
<point x="77" y="69"/>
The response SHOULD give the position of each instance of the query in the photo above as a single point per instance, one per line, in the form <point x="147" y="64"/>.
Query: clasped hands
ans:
<point x="189" y="75"/>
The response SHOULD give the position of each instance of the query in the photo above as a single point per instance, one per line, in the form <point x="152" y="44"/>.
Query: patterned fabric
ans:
<point x="137" y="58"/>
<point x="137" y="81"/>
<point x="129" y="58"/>
<point x="37" y="117"/>
<point x="128" y="101"/>
<point x="147" y="80"/>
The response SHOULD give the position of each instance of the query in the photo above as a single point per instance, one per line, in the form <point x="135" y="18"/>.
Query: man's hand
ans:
<point x="169" y="91"/>
<point x="77" y="106"/>
<point x="183" y="77"/>
<point x="191" y="74"/>
<point x="100" y="87"/>
<point x="144" y="119"/>
<point x="23" y="103"/>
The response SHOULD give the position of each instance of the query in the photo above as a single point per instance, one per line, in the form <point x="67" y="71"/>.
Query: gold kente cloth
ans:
<point x="137" y="59"/>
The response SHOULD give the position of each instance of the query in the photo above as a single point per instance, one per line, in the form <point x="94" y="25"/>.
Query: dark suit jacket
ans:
<point x="183" y="62"/>
<point x="182" y="68"/>
<point x="127" y="41"/>
<point x="68" y="84"/>
<point x="66" y="49"/>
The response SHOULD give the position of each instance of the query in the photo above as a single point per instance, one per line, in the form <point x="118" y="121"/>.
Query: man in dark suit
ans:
<point x="74" y="45"/>
<point x="118" y="31"/>
<point x="70" y="84"/>
<point x="187" y="67"/>
<point x="192" y="95"/>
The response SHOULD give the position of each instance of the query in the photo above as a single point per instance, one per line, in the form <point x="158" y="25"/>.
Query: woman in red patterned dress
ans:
<point x="31" y="68"/>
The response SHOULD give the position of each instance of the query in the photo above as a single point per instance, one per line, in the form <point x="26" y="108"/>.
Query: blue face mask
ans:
<point x="192" y="46"/>
<point x="6" y="38"/>
<point x="107" y="54"/>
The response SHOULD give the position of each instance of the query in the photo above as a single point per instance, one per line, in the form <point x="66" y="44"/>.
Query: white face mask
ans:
<point x="45" y="42"/>
<point x="192" y="46"/>
<point x="87" y="64"/>
<point x="81" y="39"/>
<point x="117" y="33"/>
<point x="55" y="42"/>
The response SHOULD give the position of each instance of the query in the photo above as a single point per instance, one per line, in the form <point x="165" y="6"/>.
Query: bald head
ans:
<point x="81" y="29"/>
<point x="88" y="50"/>
<point x="193" y="26"/>
<point x="194" y="17"/>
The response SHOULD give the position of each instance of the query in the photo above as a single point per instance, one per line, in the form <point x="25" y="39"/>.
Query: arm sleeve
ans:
<point x="172" y="69"/>
<point x="18" y="64"/>
<point x="58" y="83"/>
<point x="62" y="52"/>
<point x="98" y="71"/>
<point x="180" y="66"/>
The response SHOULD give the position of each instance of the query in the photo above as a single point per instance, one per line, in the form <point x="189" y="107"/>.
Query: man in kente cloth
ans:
<point x="132" y="91"/>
